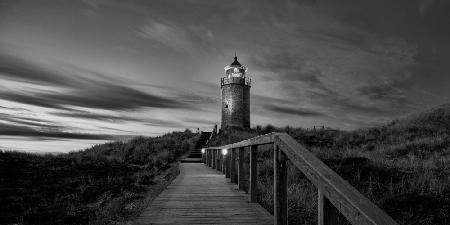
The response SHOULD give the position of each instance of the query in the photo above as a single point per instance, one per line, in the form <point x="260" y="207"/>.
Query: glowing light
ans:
<point x="203" y="151"/>
<point x="224" y="151"/>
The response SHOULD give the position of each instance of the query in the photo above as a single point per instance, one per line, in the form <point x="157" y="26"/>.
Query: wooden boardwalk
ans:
<point x="201" y="195"/>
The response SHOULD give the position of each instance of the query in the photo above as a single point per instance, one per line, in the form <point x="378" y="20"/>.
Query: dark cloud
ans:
<point x="96" y="116"/>
<point x="26" y="131"/>
<point x="163" y="123"/>
<point x="21" y="70"/>
<point x="96" y="91"/>
<point x="30" y="99"/>
<point x="199" y="121"/>
<point x="118" y="119"/>
<point x="287" y="69"/>
<point x="115" y="129"/>
<point x="393" y="92"/>
<point x="301" y="79"/>
<point x="293" y="111"/>
<point x="14" y="108"/>
<point x="120" y="98"/>
<point x="26" y="121"/>
<point x="262" y="100"/>
<point x="113" y="97"/>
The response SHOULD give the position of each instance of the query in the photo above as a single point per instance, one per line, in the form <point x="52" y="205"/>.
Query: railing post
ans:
<point x="224" y="164"/>
<point x="233" y="172"/>
<point x="214" y="156"/>
<point x="215" y="159"/>
<point x="253" y="174"/>
<point x="224" y="159"/>
<point x="280" y="187"/>
<point x="227" y="164"/>
<point x="241" y="175"/>
<point x="327" y="213"/>
<point x="203" y="157"/>
<point x="208" y="161"/>
<point x="210" y="158"/>
<point x="219" y="159"/>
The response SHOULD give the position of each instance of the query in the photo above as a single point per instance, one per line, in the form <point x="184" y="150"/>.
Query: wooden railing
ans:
<point x="333" y="191"/>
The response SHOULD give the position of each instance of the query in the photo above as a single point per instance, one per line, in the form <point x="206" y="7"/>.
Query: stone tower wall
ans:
<point x="236" y="103"/>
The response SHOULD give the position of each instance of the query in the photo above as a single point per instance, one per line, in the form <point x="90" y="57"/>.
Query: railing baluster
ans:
<point x="241" y="175"/>
<point x="210" y="158"/>
<point x="327" y="213"/>
<point x="253" y="174"/>
<point x="233" y="172"/>
<point x="218" y="156"/>
<point x="280" y="187"/>
<point x="214" y="159"/>
<point x="217" y="159"/>
<point x="224" y="159"/>
<point x="228" y="165"/>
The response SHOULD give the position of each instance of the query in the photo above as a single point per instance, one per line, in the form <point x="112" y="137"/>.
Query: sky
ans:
<point x="74" y="73"/>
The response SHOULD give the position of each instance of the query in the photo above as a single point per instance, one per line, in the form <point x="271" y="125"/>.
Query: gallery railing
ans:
<point x="333" y="191"/>
<point x="235" y="80"/>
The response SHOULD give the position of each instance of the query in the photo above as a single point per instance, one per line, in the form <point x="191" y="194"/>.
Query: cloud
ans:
<point x="17" y="69"/>
<point x="14" y="108"/>
<point x="117" y="118"/>
<point x="391" y="92"/>
<point x="287" y="68"/>
<point x="262" y="99"/>
<point x="96" y="116"/>
<point x="27" y="121"/>
<point x="26" y="131"/>
<point x="111" y="96"/>
<point x="199" y="121"/>
<point x="186" y="39"/>
<point x="167" y="35"/>
<point x="30" y="99"/>
<point x="293" y="111"/>
<point x="342" y="82"/>
<point x="92" y="90"/>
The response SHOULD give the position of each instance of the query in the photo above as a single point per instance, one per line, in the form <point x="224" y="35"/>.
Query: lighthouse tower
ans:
<point x="235" y="96"/>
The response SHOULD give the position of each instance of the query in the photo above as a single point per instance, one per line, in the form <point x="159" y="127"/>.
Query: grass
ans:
<point x="403" y="167"/>
<point x="106" y="184"/>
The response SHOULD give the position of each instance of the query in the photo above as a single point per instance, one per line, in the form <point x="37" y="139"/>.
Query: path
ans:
<point x="201" y="195"/>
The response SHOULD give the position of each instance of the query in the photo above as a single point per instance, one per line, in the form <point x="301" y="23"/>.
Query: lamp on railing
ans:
<point x="203" y="151"/>
<point x="224" y="151"/>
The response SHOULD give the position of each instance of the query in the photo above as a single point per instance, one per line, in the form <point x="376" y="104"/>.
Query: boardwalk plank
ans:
<point x="201" y="195"/>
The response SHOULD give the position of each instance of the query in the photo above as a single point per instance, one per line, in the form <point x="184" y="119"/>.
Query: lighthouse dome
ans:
<point x="235" y="69"/>
<point x="235" y="63"/>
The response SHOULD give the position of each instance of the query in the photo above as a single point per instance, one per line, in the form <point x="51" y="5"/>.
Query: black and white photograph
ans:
<point x="166" y="112"/>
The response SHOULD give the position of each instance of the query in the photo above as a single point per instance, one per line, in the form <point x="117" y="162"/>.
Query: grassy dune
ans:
<point x="105" y="184"/>
<point x="403" y="167"/>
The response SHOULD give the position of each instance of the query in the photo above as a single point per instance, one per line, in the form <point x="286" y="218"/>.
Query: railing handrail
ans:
<point x="345" y="198"/>
<point x="259" y="140"/>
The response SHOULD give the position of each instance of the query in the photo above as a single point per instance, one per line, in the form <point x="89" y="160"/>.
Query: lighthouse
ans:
<point x="235" y="88"/>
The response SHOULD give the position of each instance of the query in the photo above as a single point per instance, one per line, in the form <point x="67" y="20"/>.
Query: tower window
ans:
<point x="226" y="106"/>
